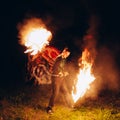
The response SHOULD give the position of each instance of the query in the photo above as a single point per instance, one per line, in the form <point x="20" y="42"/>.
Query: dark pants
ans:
<point x="58" y="85"/>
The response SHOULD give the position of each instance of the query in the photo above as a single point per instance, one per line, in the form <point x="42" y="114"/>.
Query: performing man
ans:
<point x="58" y="80"/>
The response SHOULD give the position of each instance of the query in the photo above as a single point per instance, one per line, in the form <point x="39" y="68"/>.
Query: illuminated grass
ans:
<point x="30" y="103"/>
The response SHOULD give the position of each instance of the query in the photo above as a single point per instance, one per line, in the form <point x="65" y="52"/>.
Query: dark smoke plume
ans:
<point x="104" y="67"/>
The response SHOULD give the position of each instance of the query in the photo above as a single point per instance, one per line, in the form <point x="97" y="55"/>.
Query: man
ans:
<point x="58" y="80"/>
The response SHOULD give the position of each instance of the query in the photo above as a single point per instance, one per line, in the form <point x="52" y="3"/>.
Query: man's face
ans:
<point x="65" y="54"/>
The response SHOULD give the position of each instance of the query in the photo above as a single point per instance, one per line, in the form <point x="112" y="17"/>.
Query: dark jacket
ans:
<point x="59" y="65"/>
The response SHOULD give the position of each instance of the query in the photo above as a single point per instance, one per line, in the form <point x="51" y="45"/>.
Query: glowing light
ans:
<point x="36" y="40"/>
<point x="34" y="35"/>
<point x="84" y="78"/>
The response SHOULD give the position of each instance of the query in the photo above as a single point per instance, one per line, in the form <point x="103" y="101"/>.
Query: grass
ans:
<point x="29" y="103"/>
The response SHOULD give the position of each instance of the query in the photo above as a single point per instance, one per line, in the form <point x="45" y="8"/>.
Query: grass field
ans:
<point x="29" y="103"/>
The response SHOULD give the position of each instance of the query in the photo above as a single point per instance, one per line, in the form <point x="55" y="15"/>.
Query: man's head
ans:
<point x="65" y="53"/>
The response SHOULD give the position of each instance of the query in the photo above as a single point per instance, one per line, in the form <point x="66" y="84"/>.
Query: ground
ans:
<point x="29" y="103"/>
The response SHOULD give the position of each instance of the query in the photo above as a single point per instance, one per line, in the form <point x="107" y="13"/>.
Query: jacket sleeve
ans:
<point x="57" y="66"/>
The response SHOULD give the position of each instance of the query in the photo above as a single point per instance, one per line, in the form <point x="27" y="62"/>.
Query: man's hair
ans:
<point x="65" y="49"/>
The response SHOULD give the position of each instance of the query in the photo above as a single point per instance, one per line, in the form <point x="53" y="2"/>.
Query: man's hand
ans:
<point x="63" y="74"/>
<point x="60" y="74"/>
<point x="66" y="73"/>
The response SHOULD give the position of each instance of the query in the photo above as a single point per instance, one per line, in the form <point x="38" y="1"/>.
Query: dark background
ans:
<point x="68" y="21"/>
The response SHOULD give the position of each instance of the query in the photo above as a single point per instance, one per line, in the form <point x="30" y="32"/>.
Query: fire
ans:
<point x="85" y="77"/>
<point x="34" y="36"/>
<point x="36" y="39"/>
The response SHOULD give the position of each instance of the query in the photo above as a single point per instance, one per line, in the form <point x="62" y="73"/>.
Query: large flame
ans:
<point x="85" y="77"/>
<point x="34" y="36"/>
<point x="37" y="39"/>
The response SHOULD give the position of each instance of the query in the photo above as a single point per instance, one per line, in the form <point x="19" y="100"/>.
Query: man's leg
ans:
<point x="55" y="91"/>
<point x="67" y="95"/>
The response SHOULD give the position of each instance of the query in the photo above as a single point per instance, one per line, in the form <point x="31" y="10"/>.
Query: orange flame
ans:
<point x="34" y="35"/>
<point x="84" y="78"/>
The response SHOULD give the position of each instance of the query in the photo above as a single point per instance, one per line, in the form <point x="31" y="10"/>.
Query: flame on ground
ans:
<point x="85" y="77"/>
<point x="34" y="35"/>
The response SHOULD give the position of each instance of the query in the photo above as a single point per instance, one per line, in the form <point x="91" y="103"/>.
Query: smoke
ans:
<point x="107" y="74"/>
<point x="73" y="70"/>
<point x="90" y="39"/>
<point x="104" y="66"/>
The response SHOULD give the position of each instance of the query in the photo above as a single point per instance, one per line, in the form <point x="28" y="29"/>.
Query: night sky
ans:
<point x="68" y="21"/>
